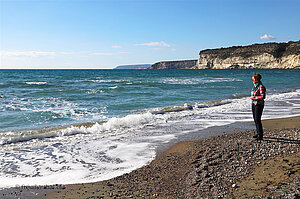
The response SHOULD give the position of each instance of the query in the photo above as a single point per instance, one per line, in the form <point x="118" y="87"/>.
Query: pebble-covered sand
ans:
<point x="221" y="163"/>
<point x="227" y="166"/>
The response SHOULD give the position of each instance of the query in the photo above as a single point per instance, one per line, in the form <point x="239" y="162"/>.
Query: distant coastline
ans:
<point x="264" y="56"/>
<point x="136" y="66"/>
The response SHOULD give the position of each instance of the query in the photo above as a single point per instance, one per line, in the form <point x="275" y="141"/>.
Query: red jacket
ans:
<point x="258" y="94"/>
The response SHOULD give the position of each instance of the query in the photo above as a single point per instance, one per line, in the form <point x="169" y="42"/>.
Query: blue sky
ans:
<point x="107" y="33"/>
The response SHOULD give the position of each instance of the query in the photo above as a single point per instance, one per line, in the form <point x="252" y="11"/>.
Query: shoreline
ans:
<point x="191" y="165"/>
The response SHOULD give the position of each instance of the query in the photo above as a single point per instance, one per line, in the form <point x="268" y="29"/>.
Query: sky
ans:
<point x="103" y="34"/>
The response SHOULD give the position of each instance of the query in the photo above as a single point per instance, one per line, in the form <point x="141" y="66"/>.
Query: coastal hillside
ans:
<point x="138" y="66"/>
<point x="268" y="55"/>
<point x="184" y="64"/>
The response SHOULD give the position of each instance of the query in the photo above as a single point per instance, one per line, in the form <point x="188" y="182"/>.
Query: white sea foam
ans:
<point x="113" y="124"/>
<point x="105" y="81"/>
<point x="113" y="87"/>
<point x="223" y="110"/>
<point x="100" y="81"/>
<point x="35" y="83"/>
<point x="54" y="108"/>
<point x="128" y="121"/>
<point x="197" y="80"/>
<point x="95" y="91"/>
<point x="106" y="150"/>
<point x="85" y="161"/>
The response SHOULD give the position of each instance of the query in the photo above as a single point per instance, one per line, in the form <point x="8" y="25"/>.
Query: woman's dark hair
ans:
<point x="257" y="76"/>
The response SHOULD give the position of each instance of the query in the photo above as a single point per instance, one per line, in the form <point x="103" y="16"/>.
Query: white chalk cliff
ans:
<point x="268" y="55"/>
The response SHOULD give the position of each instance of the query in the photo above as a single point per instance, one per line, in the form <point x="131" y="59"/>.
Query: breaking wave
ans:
<point x="154" y="116"/>
<point x="112" y="124"/>
<point x="36" y="83"/>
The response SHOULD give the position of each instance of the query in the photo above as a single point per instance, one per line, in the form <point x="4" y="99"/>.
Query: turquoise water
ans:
<point x="75" y="126"/>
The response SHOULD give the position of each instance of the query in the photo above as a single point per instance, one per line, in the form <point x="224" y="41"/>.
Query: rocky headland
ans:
<point x="264" y="56"/>
<point x="268" y="55"/>
<point x="136" y="66"/>
<point x="184" y="64"/>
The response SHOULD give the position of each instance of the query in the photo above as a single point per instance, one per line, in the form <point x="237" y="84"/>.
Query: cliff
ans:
<point x="185" y="64"/>
<point x="268" y="55"/>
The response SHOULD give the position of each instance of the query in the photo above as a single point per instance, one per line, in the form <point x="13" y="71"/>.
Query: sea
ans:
<point x="78" y="126"/>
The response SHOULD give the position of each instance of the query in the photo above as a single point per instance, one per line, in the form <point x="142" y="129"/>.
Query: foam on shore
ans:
<point x="104" y="150"/>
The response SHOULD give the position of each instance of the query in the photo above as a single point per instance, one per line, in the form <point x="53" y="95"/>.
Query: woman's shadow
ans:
<point x="281" y="140"/>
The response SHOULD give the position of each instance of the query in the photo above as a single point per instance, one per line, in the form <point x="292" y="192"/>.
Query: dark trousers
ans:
<point x="257" y="111"/>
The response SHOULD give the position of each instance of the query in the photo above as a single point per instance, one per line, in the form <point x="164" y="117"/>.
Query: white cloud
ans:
<point x="156" y="43"/>
<point x="116" y="46"/>
<point x="267" y="37"/>
<point x="173" y="49"/>
<point x="26" y="53"/>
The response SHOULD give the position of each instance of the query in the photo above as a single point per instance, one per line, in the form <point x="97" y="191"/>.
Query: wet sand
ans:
<point x="228" y="165"/>
<point x="290" y="122"/>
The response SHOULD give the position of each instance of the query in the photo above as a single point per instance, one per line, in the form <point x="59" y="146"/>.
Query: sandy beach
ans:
<point x="146" y="99"/>
<point x="225" y="166"/>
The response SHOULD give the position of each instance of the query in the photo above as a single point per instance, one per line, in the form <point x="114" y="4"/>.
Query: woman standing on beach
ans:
<point x="258" y="95"/>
